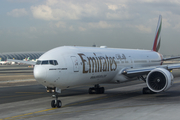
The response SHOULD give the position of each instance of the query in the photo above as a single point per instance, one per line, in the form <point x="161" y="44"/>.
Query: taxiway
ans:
<point x="25" y="100"/>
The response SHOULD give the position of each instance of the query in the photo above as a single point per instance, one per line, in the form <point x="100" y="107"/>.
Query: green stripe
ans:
<point x="159" y="31"/>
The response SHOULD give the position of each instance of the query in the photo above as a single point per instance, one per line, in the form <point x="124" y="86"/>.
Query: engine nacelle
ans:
<point x="159" y="80"/>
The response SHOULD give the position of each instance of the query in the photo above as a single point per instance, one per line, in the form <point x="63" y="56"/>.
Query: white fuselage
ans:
<point x="4" y="62"/>
<point x="90" y="65"/>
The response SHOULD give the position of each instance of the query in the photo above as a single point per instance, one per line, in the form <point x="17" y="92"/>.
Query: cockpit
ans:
<point x="47" y="62"/>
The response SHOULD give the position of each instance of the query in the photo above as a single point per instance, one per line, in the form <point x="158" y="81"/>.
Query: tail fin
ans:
<point x="157" y="39"/>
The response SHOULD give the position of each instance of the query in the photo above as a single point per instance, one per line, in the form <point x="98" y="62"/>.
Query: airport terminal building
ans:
<point x="20" y="55"/>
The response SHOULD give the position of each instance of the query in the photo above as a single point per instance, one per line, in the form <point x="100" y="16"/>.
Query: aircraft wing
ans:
<point x="22" y="61"/>
<point x="145" y="70"/>
<point x="165" y="59"/>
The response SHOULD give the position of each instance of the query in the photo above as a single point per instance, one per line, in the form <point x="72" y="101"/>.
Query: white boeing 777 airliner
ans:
<point x="70" y="66"/>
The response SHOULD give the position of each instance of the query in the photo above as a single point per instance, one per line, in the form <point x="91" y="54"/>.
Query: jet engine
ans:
<point x="159" y="80"/>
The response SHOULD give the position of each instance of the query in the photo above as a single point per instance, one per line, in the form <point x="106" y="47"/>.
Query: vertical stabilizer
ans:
<point x="157" y="39"/>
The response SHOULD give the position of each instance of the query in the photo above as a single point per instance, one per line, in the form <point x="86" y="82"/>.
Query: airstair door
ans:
<point x="75" y="63"/>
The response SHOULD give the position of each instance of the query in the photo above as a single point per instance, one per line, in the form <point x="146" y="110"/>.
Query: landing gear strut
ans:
<point x="56" y="103"/>
<point x="146" y="90"/>
<point x="96" y="89"/>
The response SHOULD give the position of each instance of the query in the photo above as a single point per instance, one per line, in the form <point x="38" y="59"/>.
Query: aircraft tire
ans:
<point x="90" y="91"/>
<point x="146" y="90"/>
<point x="98" y="91"/>
<point x="102" y="90"/>
<point x="59" y="104"/>
<point x="53" y="105"/>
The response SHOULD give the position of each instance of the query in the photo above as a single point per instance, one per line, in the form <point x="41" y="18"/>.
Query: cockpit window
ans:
<point x="55" y="62"/>
<point x="47" y="62"/>
<point x="51" y="62"/>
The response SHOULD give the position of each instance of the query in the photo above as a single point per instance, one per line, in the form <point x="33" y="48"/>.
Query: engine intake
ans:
<point x="159" y="80"/>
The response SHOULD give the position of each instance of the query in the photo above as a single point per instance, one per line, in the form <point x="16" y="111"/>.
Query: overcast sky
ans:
<point x="40" y="25"/>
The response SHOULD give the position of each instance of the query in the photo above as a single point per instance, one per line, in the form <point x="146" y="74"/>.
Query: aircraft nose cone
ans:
<point x="40" y="73"/>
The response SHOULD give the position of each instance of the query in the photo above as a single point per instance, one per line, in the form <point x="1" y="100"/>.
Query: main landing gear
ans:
<point x="56" y="103"/>
<point x="96" y="89"/>
<point x="146" y="90"/>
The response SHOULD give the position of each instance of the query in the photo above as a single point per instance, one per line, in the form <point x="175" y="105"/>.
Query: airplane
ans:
<point x="27" y="59"/>
<point x="70" y="66"/>
<point x="4" y="62"/>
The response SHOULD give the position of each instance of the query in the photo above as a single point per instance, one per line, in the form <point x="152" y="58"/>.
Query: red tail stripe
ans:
<point x="155" y="42"/>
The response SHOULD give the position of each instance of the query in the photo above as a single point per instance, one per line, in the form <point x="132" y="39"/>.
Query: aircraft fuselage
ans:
<point x="90" y="65"/>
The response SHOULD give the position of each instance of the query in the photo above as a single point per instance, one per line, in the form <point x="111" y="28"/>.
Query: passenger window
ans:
<point x="44" y="62"/>
<point x="38" y="62"/>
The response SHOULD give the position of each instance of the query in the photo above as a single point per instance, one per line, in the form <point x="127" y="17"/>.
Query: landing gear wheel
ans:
<point x="146" y="90"/>
<point x="102" y="90"/>
<point x="53" y="105"/>
<point x="96" y="89"/>
<point x="90" y="91"/>
<point x="56" y="103"/>
<point x="59" y="104"/>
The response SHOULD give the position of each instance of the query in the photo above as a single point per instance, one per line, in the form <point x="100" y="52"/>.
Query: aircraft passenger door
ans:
<point x="75" y="63"/>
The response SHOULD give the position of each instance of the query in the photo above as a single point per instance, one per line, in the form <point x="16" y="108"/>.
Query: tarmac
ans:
<point x="24" y="98"/>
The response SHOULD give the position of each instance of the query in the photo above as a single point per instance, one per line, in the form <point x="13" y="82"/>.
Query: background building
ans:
<point x="20" y="55"/>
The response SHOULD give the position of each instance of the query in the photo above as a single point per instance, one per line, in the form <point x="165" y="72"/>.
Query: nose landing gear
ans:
<point x="56" y="103"/>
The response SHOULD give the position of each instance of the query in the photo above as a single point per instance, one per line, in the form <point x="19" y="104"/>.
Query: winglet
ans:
<point x="157" y="39"/>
